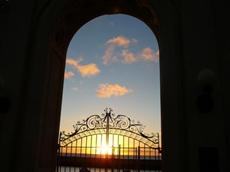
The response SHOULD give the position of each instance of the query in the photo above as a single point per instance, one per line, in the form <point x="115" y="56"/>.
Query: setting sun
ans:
<point x="105" y="149"/>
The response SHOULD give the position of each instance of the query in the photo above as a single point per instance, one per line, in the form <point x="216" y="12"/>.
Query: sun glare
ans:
<point x="105" y="149"/>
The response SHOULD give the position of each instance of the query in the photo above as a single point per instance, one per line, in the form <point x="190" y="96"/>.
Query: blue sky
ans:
<point x="112" y="61"/>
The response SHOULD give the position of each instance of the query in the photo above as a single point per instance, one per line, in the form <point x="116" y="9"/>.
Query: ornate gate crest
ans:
<point x="109" y="123"/>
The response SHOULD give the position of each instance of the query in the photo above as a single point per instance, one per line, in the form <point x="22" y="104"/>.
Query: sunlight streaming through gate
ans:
<point x="109" y="141"/>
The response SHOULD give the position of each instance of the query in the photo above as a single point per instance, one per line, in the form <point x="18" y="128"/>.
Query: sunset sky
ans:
<point x="112" y="61"/>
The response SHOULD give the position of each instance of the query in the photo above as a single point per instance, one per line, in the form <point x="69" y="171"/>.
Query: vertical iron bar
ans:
<point x="112" y="146"/>
<point x="75" y="152"/>
<point x="96" y="146"/>
<point x="119" y="151"/>
<point x="156" y="154"/>
<point x="150" y="152"/>
<point x="107" y="126"/>
<point x="153" y="157"/>
<point x="138" y="152"/>
<point x="71" y="146"/>
<point x="112" y="152"/>
<point x="91" y="145"/>
<point x="128" y="147"/>
<point x="101" y="146"/>
<point x="144" y="151"/>
<point x="123" y="147"/>
<point x="119" y="155"/>
<point x="118" y="146"/>
<point x="81" y="148"/>
<point x="86" y="144"/>
<point x="133" y="148"/>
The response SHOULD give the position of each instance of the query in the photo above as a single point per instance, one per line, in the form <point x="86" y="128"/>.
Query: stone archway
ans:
<point x="52" y="36"/>
<point x="34" y="37"/>
<point x="75" y="14"/>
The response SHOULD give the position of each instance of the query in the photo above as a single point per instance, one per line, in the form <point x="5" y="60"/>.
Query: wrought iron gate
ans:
<point x="108" y="141"/>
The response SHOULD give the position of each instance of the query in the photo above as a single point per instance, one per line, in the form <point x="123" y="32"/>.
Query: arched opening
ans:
<point x="85" y="11"/>
<point x="112" y="48"/>
<point x="74" y="14"/>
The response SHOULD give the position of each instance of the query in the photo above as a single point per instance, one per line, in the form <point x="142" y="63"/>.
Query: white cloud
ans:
<point x="128" y="57"/>
<point x="148" y="55"/>
<point x="111" y="44"/>
<point x="108" y="54"/>
<point x="125" y="55"/>
<point x="86" y="70"/>
<point x="109" y="90"/>
<point x="119" y="41"/>
<point x="70" y="61"/>
<point x="68" y="75"/>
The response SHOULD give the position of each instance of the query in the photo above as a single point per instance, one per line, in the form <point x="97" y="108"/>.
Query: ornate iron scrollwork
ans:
<point x="109" y="120"/>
